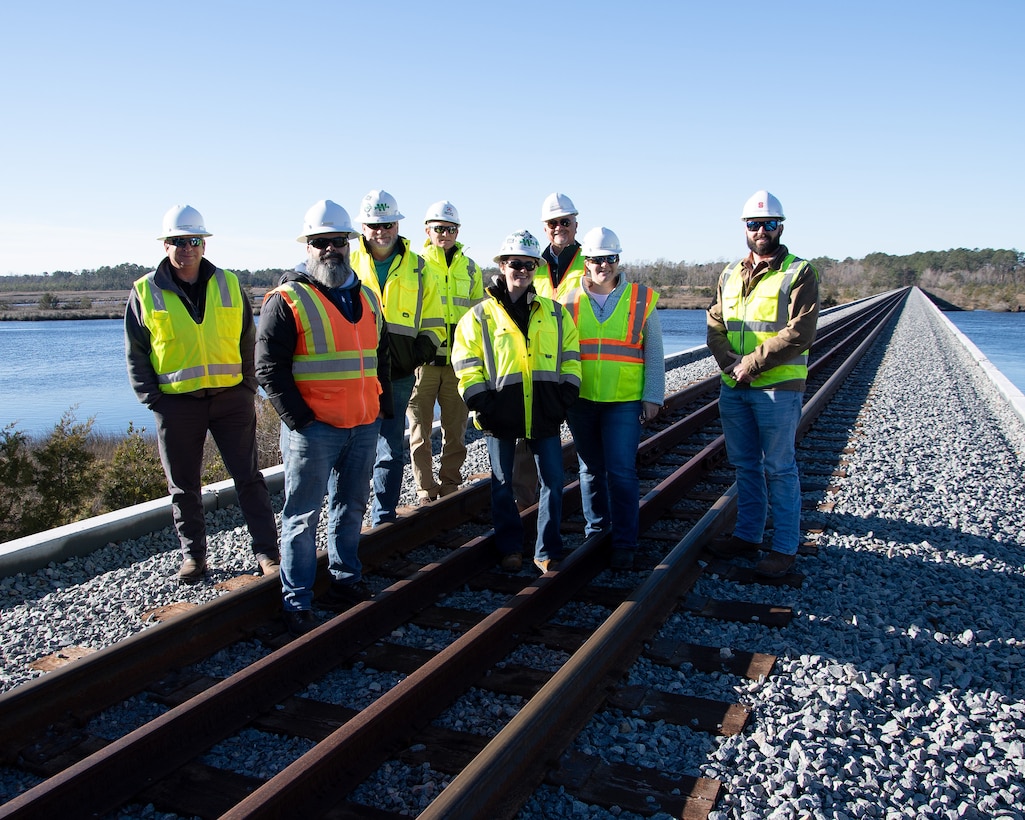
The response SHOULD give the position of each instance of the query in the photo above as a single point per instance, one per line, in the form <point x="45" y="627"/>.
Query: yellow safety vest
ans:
<point x="335" y="360"/>
<point x="612" y="352"/>
<point x="570" y="279"/>
<point x="460" y="285"/>
<point x="410" y="297"/>
<point x="760" y="315"/>
<point x="188" y="356"/>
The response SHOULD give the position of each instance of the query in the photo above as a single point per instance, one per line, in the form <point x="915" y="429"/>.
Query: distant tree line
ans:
<point x="987" y="278"/>
<point x="118" y="277"/>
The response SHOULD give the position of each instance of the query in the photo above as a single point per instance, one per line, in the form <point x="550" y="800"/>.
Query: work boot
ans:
<point x="733" y="547"/>
<point x="622" y="559"/>
<point x="192" y="569"/>
<point x="342" y="596"/>
<point x="269" y="564"/>
<point x="299" y="622"/>
<point x="775" y="565"/>
<point x="513" y="562"/>
<point x="548" y="565"/>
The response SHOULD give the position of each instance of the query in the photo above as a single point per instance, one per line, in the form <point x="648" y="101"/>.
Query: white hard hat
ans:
<point x="379" y="206"/>
<point x="183" y="220"/>
<point x="762" y="205"/>
<point x="443" y="211"/>
<point x="326" y="216"/>
<point x="557" y="205"/>
<point x="600" y="242"/>
<point x="521" y="243"/>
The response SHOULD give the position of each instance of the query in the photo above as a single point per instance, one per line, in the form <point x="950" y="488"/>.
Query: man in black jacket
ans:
<point x="322" y="356"/>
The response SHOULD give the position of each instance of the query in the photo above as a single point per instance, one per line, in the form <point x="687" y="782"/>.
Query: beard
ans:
<point x="764" y="247"/>
<point x="332" y="272"/>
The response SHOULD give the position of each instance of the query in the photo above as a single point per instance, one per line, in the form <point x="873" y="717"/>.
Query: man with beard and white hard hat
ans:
<point x="408" y="289"/>
<point x="322" y="357"/>
<point x="189" y="338"/>
<point x="760" y="329"/>
<point x="461" y="286"/>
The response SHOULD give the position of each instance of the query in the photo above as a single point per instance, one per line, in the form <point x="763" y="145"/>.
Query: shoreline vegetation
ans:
<point x="956" y="279"/>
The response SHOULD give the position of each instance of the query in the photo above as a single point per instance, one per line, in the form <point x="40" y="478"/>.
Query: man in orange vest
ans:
<point x="322" y="356"/>
<point x="189" y="336"/>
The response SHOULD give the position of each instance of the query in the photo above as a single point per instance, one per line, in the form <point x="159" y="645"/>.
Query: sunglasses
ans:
<point x="519" y="264"/>
<point x="441" y="230"/>
<point x="611" y="259"/>
<point x="381" y="226"/>
<point x="769" y="224"/>
<point x="324" y="243"/>
<point x="555" y="223"/>
<point x="185" y="241"/>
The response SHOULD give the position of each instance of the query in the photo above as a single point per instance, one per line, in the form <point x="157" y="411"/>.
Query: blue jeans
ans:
<point x="504" y="515"/>
<point x="391" y="454"/>
<point x="606" y="435"/>
<point x="760" y="426"/>
<point x="323" y="459"/>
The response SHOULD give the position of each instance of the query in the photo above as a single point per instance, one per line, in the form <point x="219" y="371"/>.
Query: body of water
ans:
<point x="48" y="368"/>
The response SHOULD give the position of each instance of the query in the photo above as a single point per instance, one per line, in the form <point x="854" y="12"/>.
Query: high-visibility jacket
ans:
<point x="411" y="304"/>
<point x="570" y="279"/>
<point x="188" y="356"/>
<point x="612" y="352"/>
<point x="517" y="386"/>
<point x="335" y="361"/>
<point x="760" y="315"/>
<point x="460" y="285"/>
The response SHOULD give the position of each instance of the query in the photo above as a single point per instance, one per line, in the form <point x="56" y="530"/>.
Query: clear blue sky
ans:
<point x="892" y="125"/>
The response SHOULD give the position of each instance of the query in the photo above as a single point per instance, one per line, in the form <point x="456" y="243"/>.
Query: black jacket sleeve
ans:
<point x="275" y="346"/>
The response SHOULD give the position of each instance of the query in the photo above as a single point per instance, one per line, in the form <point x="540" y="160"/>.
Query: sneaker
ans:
<point x="341" y="596"/>
<point x="513" y="562"/>
<point x="775" y="565"/>
<point x="269" y="564"/>
<point x="622" y="559"/>
<point x="192" y="570"/>
<point x="299" y="622"/>
<point x="424" y="500"/>
<point x="733" y="547"/>
<point x="548" y="565"/>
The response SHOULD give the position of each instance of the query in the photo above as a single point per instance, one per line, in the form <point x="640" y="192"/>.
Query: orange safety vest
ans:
<point x="335" y="360"/>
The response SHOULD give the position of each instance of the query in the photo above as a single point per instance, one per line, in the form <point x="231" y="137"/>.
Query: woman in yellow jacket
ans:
<point x="518" y="362"/>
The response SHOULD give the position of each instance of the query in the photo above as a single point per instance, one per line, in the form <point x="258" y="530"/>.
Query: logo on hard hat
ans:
<point x="448" y="210"/>
<point x="761" y="204"/>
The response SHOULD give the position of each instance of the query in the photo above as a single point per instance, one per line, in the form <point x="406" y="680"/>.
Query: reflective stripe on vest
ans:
<point x="612" y="352"/>
<point x="759" y="316"/>
<point x="570" y="279"/>
<point x="335" y="360"/>
<point x="403" y="294"/>
<point x="503" y="342"/>
<point x="188" y="356"/>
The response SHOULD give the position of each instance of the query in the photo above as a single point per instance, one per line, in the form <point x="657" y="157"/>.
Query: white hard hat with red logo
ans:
<point x="443" y="211"/>
<point x="762" y="205"/>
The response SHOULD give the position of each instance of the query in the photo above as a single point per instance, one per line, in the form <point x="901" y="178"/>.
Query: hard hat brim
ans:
<point x="304" y="237"/>
<point x="173" y="234"/>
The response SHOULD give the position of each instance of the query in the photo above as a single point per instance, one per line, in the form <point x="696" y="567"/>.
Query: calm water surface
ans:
<point x="46" y="368"/>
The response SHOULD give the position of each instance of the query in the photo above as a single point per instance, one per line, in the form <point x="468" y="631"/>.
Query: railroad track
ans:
<point x="438" y="571"/>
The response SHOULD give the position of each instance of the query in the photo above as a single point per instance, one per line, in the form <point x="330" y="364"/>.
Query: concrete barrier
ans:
<point x="83" y="537"/>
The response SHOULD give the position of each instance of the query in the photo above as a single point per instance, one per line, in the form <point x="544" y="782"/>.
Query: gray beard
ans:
<point x="331" y="273"/>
